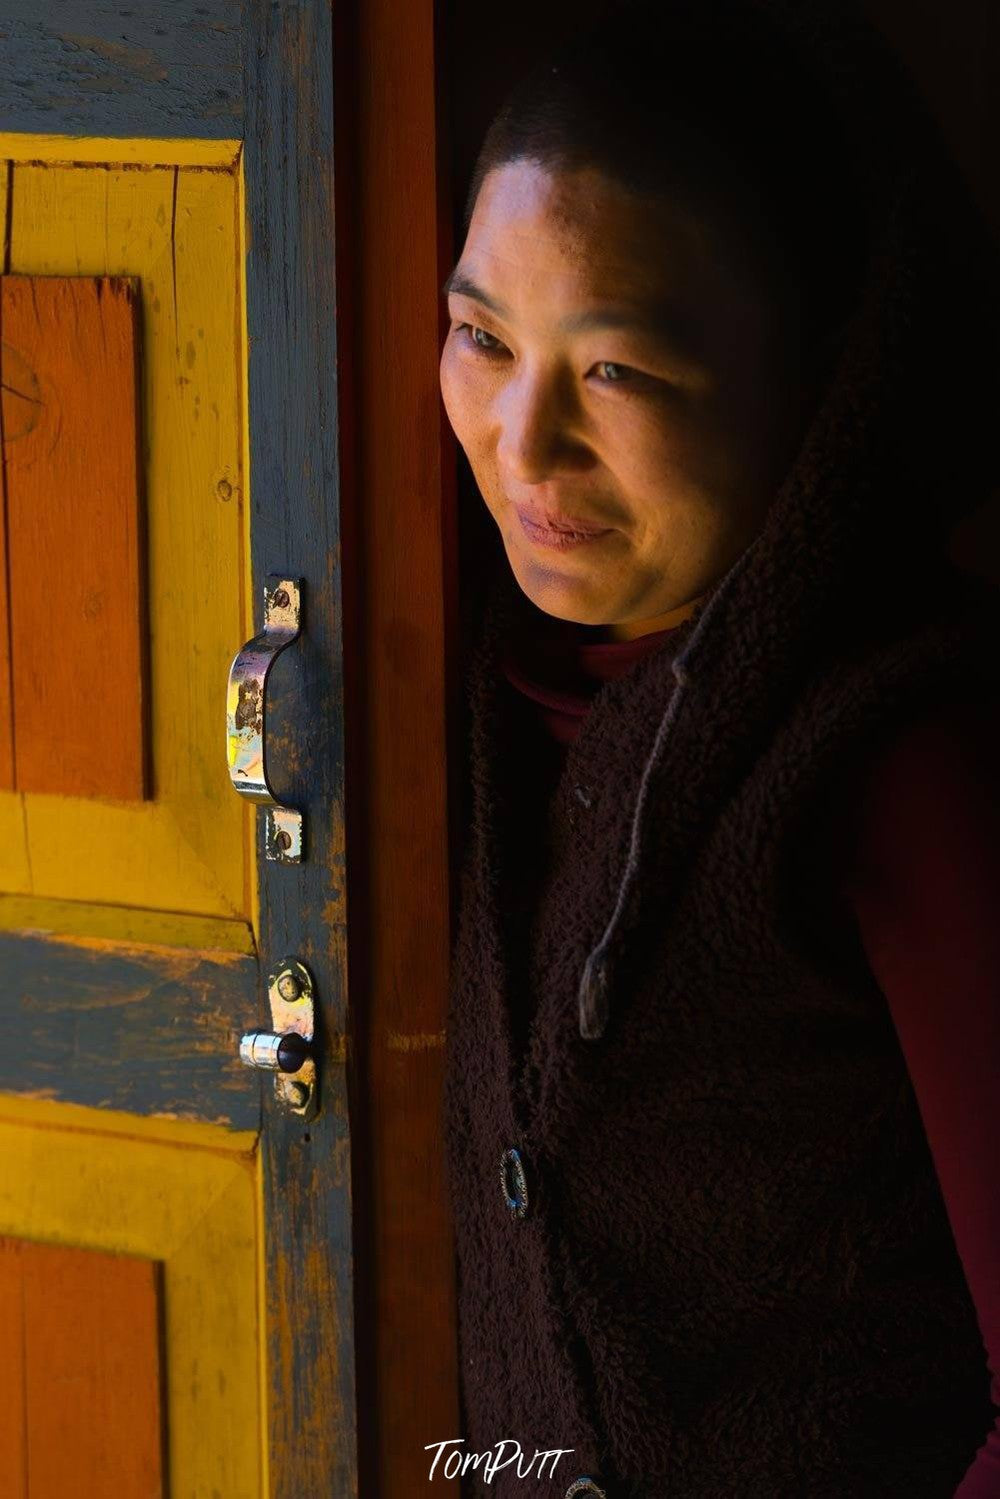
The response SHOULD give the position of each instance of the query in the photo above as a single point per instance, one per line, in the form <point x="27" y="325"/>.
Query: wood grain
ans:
<point x="69" y="369"/>
<point x="293" y="309"/>
<point x="88" y="1378"/>
<point x="13" y="1412"/>
<point x="146" y="1029"/>
<point x="6" y="691"/>
<point x="399" y="523"/>
<point x="165" y="68"/>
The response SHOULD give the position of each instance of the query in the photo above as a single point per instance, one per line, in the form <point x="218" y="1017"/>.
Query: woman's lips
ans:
<point x="561" y="538"/>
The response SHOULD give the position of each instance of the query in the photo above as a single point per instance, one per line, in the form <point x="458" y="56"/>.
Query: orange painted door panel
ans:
<point x="81" y="1352"/>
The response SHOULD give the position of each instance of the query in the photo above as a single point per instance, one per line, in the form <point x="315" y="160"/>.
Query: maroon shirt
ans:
<point x="919" y="866"/>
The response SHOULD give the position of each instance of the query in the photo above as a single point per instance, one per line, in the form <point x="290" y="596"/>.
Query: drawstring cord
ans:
<point x="595" y="981"/>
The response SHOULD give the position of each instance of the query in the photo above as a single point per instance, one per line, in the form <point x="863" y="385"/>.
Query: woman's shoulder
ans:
<point x="897" y="688"/>
<point x="929" y="789"/>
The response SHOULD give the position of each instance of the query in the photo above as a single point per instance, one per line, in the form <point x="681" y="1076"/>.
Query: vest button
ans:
<point x="513" y="1182"/>
<point x="584" y="1488"/>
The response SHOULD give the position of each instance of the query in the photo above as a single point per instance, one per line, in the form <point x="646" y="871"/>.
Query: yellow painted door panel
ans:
<point x="177" y="229"/>
<point x="187" y="1198"/>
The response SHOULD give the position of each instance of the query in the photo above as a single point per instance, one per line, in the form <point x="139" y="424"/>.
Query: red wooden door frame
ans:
<point x="400" y="585"/>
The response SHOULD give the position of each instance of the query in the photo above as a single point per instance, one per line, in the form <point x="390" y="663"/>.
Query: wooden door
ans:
<point x="176" y="1262"/>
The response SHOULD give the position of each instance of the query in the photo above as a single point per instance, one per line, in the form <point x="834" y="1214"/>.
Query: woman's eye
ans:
<point x="622" y="372"/>
<point x="471" y="331"/>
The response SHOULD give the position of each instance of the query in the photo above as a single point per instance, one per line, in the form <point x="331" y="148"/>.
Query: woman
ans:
<point x="724" y="1010"/>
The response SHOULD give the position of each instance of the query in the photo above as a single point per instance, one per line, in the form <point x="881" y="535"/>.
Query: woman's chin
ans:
<point x="557" y="592"/>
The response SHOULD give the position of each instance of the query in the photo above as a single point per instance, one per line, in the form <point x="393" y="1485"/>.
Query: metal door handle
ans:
<point x="246" y="714"/>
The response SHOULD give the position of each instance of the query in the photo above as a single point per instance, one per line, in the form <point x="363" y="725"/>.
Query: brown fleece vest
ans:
<point x="735" y="1273"/>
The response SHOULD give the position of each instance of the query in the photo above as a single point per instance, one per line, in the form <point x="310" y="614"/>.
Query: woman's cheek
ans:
<point x="463" y="406"/>
<point x="449" y="390"/>
<point x="690" y="450"/>
<point x="455" y="391"/>
<point x="645" y="453"/>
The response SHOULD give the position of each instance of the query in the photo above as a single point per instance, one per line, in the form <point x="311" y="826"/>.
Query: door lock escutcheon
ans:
<point x="286" y="1049"/>
<point x="246" y="717"/>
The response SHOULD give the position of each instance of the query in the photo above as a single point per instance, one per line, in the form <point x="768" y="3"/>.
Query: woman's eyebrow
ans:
<point x="659" y="319"/>
<point x="464" y="286"/>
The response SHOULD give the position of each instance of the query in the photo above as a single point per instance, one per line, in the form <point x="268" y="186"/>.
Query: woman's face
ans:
<point x="609" y="363"/>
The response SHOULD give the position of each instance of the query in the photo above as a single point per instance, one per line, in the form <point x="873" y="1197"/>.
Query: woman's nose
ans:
<point x="536" y="434"/>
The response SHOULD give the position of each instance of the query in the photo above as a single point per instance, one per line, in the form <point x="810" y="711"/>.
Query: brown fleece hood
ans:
<point x="897" y="451"/>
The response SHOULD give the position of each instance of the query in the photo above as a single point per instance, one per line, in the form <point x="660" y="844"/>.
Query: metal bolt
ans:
<point x="283" y="839"/>
<point x="289" y="986"/>
<point x="281" y="599"/>
<point x="298" y="1093"/>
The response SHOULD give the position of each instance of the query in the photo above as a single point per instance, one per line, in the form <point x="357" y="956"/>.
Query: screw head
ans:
<point x="281" y="599"/>
<point x="298" y="1093"/>
<point x="289" y="986"/>
<point x="283" y="839"/>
